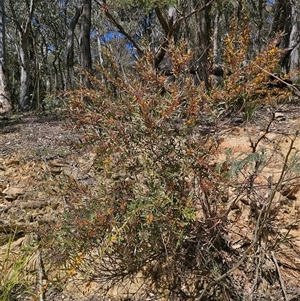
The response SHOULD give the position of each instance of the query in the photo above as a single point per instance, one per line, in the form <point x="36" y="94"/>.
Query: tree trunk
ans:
<point x="216" y="40"/>
<point x="85" y="42"/>
<point x="5" y="105"/>
<point x="25" y="74"/>
<point x="100" y="54"/>
<point x="24" y="29"/>
<point x="203" y="28"/>
<point x="286" y="22"/>
<point x="280" y="18"/>
<point x="294" y="41"/>
<point x="70" y="46"/>
<point x="259" y="17"/>
<point x="170" y="32"/>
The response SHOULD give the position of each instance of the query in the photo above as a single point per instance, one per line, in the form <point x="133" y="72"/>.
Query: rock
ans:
<point x="11" y="193"/>
<point x="34" y="205"/>
<point x="279" y="116"/>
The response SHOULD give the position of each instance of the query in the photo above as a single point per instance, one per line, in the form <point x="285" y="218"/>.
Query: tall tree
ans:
<point x="5" y="105"/>
<point x="285" y="26"/>
<point x="203" y="31"/>
<point x="70" y="45"/>
<point x="50" y="45"/>
<point x="294" y="40"/>
<point x="22" y="17"/>
<point x="85" y="40"/>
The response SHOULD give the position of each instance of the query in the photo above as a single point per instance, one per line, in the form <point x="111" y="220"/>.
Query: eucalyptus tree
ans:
<point x="85" y="40"/>
<point x="48" y="67"/>
<point x="163" y="22"/>
<point x="294" y="40"/>
<point x="70" y="43"/>
<point x="76" y="33"/>
<point x="21" y="17"/>
<point x="203" y="32"/>
<point x="285" y="28"/>
<point x="79" y="28"/>
<point x="5" y="105"/>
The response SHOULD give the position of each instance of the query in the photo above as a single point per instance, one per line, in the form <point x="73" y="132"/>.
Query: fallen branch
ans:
<point x="279" y="276"/>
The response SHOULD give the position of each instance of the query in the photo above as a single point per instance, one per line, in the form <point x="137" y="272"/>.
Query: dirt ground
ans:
<point x="34" y="146"/>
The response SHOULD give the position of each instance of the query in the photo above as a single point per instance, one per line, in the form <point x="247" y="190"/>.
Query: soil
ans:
<point x="35" y="150"/>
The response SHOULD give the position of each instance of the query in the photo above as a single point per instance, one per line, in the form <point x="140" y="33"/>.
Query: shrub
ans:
<point x="156" y="201"/>
<point x="247" y="80"/>
<point x="158" y="208"/>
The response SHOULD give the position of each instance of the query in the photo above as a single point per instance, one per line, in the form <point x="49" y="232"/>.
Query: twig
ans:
<point x="40" y="274"/>
<point x="260" y="224"/>
<point x="196" y="10"/>
<point x="257" y="272"/>
<point x="267" y="131"/>
<point x="121" y="29"/>
<point x="257" y="233"/>
<point x="280" y="277"/>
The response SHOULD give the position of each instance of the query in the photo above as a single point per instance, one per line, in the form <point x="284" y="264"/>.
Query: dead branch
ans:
<point x="279" y="276"/>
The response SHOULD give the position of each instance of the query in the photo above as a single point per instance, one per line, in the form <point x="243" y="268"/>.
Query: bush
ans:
<point x="156" y="203"/>
<point x="248" y="81"/>
<point x="159" y="205"/>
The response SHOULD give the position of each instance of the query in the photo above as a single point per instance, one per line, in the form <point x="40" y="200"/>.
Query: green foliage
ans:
<point x="14" y="284"/>
<point x="248" y="162"/>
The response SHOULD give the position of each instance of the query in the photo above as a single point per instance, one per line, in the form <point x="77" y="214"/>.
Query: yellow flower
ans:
<point x="149" y="219"/>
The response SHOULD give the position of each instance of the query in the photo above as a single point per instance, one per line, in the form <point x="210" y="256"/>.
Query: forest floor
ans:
<point x="36" y="150"/>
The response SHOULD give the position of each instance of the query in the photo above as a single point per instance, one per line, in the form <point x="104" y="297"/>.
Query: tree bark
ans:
<point x="259" y="17"/>
<point x="70" y="38"/>
<point x="85" y="42"/>
<point x="203" y="28"/>
<point x="286" y="22"/>
<point x="24" y="29"/>
<point x="294" y="41"/>
<point x="25" y="73"/>
<point x="216" y="40"/>
<point x="169" y="26"/>
<point x="5" y="105"/>
<point x="70" y="46"/>
<point x="280" y="18"/>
